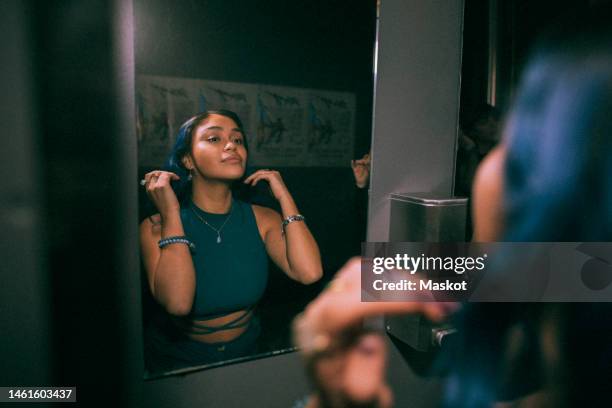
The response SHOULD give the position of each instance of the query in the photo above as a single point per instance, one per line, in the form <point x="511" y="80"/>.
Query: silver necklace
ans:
<point x="218" y="231"/>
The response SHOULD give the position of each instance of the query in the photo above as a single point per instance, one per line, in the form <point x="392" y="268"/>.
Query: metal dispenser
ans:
<point x="424" y="217"/>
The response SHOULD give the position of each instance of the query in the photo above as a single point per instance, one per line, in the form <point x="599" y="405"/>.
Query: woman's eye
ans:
<point x="238" y="141"/>
<point x="213" y="139"/>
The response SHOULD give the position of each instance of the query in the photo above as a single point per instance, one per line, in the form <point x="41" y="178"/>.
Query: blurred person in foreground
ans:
<point x="548" y="181"/>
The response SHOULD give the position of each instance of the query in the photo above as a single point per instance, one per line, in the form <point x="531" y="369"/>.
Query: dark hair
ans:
<point x="557" y="187"/>
<point x="559" y="146"/>
<point x="182" y="147"/>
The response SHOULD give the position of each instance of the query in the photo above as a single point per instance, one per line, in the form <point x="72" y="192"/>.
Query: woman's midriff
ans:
<point x="222" y="335"/>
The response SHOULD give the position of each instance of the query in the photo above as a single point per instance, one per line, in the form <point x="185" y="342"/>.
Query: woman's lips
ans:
<point x="232" y="160"/>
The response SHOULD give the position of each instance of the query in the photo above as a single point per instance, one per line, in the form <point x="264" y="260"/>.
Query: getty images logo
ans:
<point x="596" y="273"/>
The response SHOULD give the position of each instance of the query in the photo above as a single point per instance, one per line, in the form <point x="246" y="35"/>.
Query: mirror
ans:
<point x="299" y="76"/>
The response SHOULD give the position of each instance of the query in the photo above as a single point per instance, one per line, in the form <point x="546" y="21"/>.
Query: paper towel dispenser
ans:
<point x="424" y="217"/>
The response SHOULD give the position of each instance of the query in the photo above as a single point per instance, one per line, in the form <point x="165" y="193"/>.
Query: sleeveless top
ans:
<point x="230" y="275"/>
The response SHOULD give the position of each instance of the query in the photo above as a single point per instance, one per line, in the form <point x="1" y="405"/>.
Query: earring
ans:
<point x="190" y="176"/>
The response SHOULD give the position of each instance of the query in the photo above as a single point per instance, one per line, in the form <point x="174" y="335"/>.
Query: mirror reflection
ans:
<point x="247" y="122"/>
<point x="206" y="251"/>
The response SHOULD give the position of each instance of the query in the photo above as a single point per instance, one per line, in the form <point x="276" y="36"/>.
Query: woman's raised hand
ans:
<point x="157" y="185"/>
<point x="361" y="170"/>
<point x="273" y="177"/>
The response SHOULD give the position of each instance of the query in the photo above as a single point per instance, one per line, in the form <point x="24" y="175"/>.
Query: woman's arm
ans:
<point x="339" y="307"/>
<point x="170" y="271"/>
<point x="296" y="252"/>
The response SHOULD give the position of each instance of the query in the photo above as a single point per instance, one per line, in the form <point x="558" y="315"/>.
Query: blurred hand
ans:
<point x="339" y="306"/>
<point x="361" y="170"/>
<point x="353" y="374"/>
<point x="159" y="190"/>
<point x="346" y="363"/>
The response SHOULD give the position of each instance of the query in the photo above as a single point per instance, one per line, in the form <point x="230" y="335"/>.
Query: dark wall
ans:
<point x="24" y="285"/>
<point x="68" y="205"/>
<point x="314" y="44"/>
<point x="474" y="58"/>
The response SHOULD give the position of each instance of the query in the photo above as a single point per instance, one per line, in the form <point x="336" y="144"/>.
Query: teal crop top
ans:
<point x="230" y="275"/>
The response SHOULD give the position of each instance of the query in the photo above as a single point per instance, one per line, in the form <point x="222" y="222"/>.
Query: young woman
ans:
<point x="549" y="181"/>
<point x="206" y="252"/>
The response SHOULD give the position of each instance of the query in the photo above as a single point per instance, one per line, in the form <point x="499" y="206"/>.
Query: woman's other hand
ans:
<point x="277" y="185"/>
<point x="361" y="170"/>
<point x="159" y="190"/>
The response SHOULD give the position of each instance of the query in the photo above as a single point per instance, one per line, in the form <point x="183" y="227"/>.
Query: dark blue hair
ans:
<point x="182" y="147"/>
<point x="558" y="169"/>
<point x="557" y="187"/>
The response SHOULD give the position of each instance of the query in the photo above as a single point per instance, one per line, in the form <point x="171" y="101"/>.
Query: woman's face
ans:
<point x="217" y="149"/>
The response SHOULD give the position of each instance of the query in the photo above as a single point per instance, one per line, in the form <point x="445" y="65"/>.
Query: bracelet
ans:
<point x="181" y="239"/>
<point x="290" y="219"/>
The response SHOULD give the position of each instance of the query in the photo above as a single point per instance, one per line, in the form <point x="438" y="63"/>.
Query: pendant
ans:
<point x="218" y="238"/>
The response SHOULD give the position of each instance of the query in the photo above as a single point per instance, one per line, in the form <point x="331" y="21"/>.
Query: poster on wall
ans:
<point x="285" y="126"/>
<point x="329" y="128"/>
<point x="161" y="107"/>
<point x="236" y="97"/>
<point x="278" y="139"/>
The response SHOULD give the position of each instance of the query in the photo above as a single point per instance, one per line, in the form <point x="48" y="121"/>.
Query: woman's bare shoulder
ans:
<point x="488" y="180"/>
<point x="487" y="197"/>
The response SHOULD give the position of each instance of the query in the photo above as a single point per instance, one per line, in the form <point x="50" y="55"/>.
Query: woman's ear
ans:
<point x="187" y="162"/>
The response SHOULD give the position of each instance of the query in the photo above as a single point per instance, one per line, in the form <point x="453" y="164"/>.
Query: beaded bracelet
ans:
<point x="290" y="219"/>
<point x="181" y="239"/>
